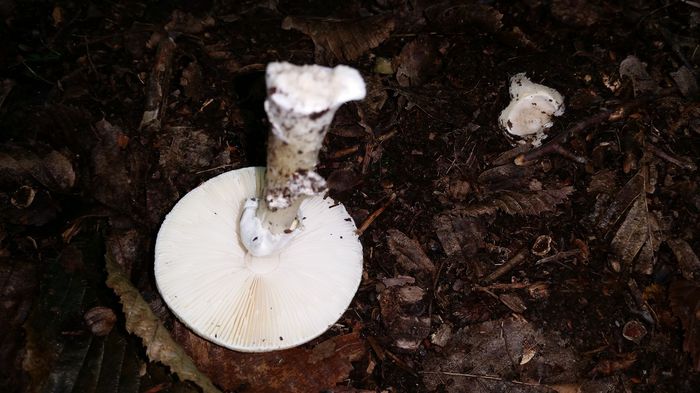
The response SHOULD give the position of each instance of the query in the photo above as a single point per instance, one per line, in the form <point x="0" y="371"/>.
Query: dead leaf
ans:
<point x="403" y="317"/>
<point x="636" y="71"/>
<point x="418" y="61"/>
<point x="633" y="232"/>
<point x="342" y="40"/>
<point x="640" y="233"/>
<point x="141" y="322"/>
<point x="408" y="252"/>
<point x="296" y="370"/>
<point x="685" y="303"/>
<point x="687" y="259"/>
<point x="519" y="203"/>
<point x="627" y="195"/>
<point x="686" y="82"/>
<point x="52" y="169"/>
<point x="454" y="16"/>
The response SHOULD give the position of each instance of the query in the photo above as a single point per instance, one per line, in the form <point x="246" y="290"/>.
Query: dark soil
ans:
<point x="613" y="205"/>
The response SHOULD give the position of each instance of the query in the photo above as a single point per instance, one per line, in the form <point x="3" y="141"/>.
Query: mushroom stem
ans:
<point x="301" y="102"/>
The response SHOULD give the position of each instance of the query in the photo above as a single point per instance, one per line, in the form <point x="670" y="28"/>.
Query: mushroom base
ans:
<point x="248" y="303"/>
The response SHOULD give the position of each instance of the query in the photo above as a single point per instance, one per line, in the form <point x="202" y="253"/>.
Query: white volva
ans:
<point x="531" y="109"/>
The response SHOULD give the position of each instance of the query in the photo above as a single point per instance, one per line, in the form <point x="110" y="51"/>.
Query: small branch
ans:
<point x="558" y="256"/>
<point x="374" y="215"/>
<point x="344" y="152"/>
<point x="516" y="260"/>
<point x="673" y="160"/>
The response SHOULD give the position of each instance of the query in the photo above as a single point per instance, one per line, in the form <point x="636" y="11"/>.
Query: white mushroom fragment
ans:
<point x="255" y="259"/>
<point x="530" y="110"/>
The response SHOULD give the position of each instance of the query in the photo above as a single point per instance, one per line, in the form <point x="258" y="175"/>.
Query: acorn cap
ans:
<point x="248" y="303"/>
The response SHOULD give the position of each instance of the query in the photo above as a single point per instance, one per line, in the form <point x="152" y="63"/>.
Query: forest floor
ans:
<point x="489" y="266"/>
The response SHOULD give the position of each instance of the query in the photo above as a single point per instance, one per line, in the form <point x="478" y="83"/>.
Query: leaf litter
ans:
<point x="72" y="96"/>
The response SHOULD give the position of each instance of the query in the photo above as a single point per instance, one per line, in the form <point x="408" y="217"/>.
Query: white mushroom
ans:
<point x="530" y="110"/>
<point x="248" y="303"/>
<point x="256" y="259"/>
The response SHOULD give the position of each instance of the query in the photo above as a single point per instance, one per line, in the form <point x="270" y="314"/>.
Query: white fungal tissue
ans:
<point x="257" y="239"/>
<point x="531" y="109"/>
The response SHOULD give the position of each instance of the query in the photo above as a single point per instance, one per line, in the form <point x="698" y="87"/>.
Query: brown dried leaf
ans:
<point x="404" y="320"/>
<point x="640" y="233"/>
<point x="688" y="261"/>
<point x="296" y="370"/>
<point x="342" y="40"/>
<point x="418" y="60"/>
<point x="686" y="81"/>
<point x="408" y="252"/>
<point x="685" y="303"/>
<point x="53" y="169"/>
<point x="627" y="195"/>
<point x="141" y="322"/>
<point x="633" y="232"/>
<point x="520" y="203"/>
<point x="636" y="71"/>
<point x="454" y="16"/>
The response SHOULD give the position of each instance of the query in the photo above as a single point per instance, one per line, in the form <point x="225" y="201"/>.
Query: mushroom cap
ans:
<point x="248" y="303"/>
<point x="531" y="107"/>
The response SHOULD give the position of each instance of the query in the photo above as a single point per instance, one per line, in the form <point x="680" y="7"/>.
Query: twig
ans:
<point x="558" y="256"/>
<point x="673" y="160"/>
<point x="555" y="145"/>
<point x="374" y="215"/>
<point x="344" y="152"/>
<point x="480" y="376"/>
<point x="516" y="260"/>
